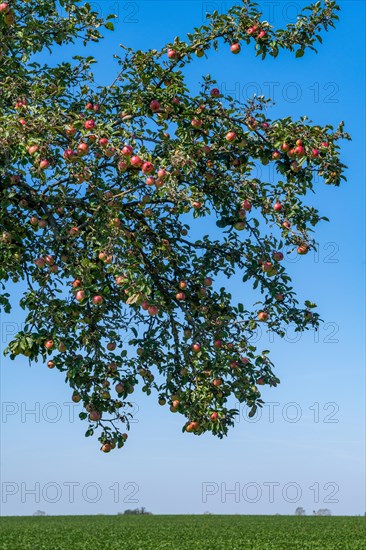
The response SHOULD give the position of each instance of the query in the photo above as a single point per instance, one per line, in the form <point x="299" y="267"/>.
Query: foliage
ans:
<point x="105" y="194"/>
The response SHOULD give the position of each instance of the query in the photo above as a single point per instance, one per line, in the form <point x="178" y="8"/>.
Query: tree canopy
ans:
<point x="106" y="196"/>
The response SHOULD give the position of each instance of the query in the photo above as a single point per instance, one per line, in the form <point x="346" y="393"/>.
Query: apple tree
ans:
<point x="109" y="200"/>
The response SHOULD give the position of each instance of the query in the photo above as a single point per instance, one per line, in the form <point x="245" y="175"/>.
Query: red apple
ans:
<point x="215" y="92"/>
<point x="94" y="416"/>
<point x="153" y="310"/>
<point x="207" y="281"/>
<point x="89" y="124"/>
<point x="196" y="123"/>
<point x="80" y="295"/>
<point x="285" y="147"/>
<point x="180" y="296"/>
<point x="76" y="283"/>
<point x="246" y="205"/>
<point x="218" y="344"/>
<point x="83" y="149"/>
<point x="147" y="168"/>
<point x="303" y="249"/>
<point x="51" y="364"/>
<point x="214" y="416"/>
<point x="217" y="382"/>
<point x="136" y="161"/>
<point x="127" y="150"/>
<point x="277" y="207"/>
<point x="44" y="164"/>
<point x="263" y="316"/>
<point x="155" y="105"/>
<point x="277" y="256"/>
<point x="235" y="48"/>
<point x="231" y="136"/>
<point x="172" y="54"/>
<point x="276" y="155"/>
<point x="97" y="300"/>
<point x="196" y="348"/>
<point x="49" y="344"/>
<point x="111" y="346"/>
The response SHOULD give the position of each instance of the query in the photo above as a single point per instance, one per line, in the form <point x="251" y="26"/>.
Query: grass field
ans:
<point x="182" y="533"/>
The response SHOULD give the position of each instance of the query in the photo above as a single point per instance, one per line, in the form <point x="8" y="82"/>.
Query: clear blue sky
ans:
<point x="270" y="464"/>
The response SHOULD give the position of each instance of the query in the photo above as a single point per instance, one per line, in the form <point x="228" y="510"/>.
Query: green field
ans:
<point x="181" y="532"/>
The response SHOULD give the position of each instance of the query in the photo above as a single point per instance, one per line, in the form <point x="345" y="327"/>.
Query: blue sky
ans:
<point x="307" y="447"/>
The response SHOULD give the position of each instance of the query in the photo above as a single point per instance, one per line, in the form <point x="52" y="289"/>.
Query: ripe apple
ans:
<point x="263" y="316"/>
<point x="197" y="205"/>
<point x="299" y="151"/>
<point x="325" y="144"/>
<point x="153" y="310"/>
<point x="277" y="256"/>
<point x="183" y="285"/>
<point x="276" y="155"/>
<point x="277" y="207"/>
<point x="215" y="92"/>
<point x="234" y="364"/>
<point x="145" y="305"/>
<point x="279" y="297"/>
<point x="207" y="281"/>
<point x="127" y="150"/>
<point x="231" y="136"/>
<point x="303" y="249"/>
<point x="106" y="448"/>
<point x="155" y="105"/>
<point x="76" y="397"/>
<point x="94" y="416"/>
<point x="147" y="168"/>
<point x="314" y="153"/>
<point x="111" y="346"/>
<point x="196" y="348"/>
<point x="136" y="161"/>
<point x="49" y="344"/>
<point x="32" y="149"/>
<point x="267" y="266"/>
<point x="235" y="48"/>
<point x="120" y="388"/>
<point x="295" y="166"/>
<point x="217" y="382"/>
<point x="50" y="260"/>
<point x="218" y="344"/>
<point x="40" y="262"/>
<point x="214" y="416"/>
<point x="76" y="283"/>
<point x="97" y="300"/>
<point x="80" y="295"/>
<point x="83" y="149"/>
<point x="122" y="166"/>
<point x="262" y="34"/>
<point x="196" y="123"/>
<point x="4" y="7"/>
<point x="103" y="142"/>
<point x="246" y="205"/>
<point x="70" y="131"/>
<point x="180" y="296"/>
<point x="172" y="54"/>
<point x="51" y="364"/>
<point x="286" y="224"/>
<point x="44" y="164"/>
<point x="285" y="147"/>
<point x="68" y="154"/>
<point x="89" y="124"/>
